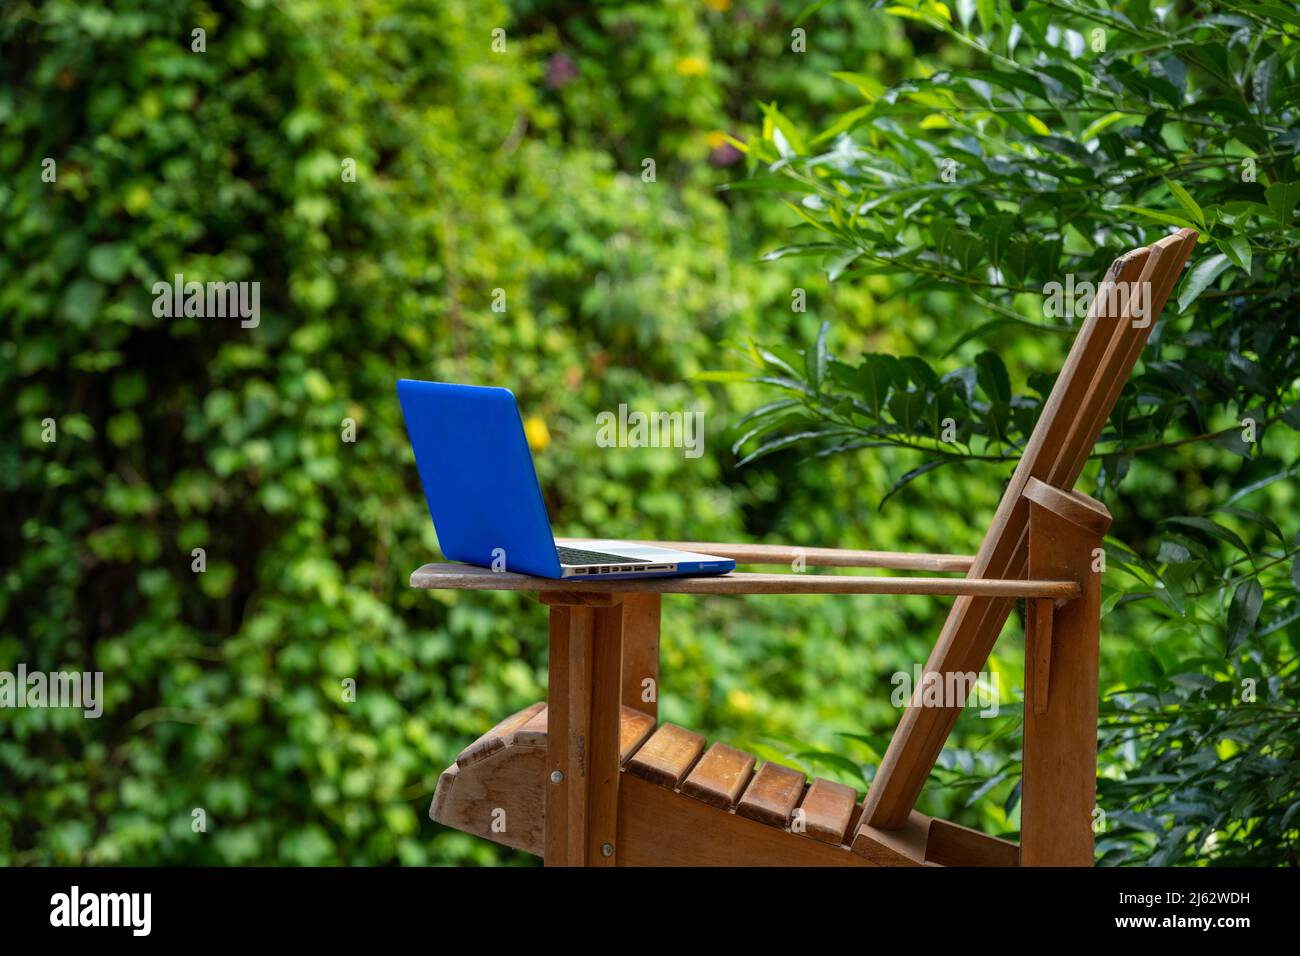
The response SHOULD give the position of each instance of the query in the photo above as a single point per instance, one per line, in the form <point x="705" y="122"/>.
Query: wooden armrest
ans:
<point x="473" y="578"/>
<point x="814" y="557"/>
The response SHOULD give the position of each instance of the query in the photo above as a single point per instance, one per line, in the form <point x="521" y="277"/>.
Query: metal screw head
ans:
<point x="556" y="776"/>
<point x="607" y="849"/>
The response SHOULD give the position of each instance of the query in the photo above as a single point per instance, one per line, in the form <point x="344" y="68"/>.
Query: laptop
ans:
<point x="486" y="504"/>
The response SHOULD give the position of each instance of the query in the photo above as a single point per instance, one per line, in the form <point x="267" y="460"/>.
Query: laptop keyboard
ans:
<point x="578" y="556"/>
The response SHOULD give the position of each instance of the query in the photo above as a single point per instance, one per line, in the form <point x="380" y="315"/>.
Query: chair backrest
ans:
<point x="1098" y="366"/>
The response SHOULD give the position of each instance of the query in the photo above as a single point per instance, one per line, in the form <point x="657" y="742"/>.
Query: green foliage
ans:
<point x="474" y="172"/>
<point x="1041" y="142"/>
<point x="521" y="171"/>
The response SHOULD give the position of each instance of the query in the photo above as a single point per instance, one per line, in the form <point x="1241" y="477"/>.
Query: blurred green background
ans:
<point x="477" y="170"/>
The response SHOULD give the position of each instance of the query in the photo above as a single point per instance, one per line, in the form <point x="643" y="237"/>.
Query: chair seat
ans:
<point x="495" y="789"/>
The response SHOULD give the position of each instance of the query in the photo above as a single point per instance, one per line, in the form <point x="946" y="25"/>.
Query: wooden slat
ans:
<point x="720" y="776"/>
<point x="772" y="795"/>
<point x="1104" y="351"/>
<point x="467" y="577"/>
<point x="812" y="557"/>
<point x="827" y="808"/>
<point x="634" y="728"/>
<point x="667" y="756"/>
<point x="533" y="733"/>
<point x="1161" y="270"/>
<point x="659" y="827"/>
<point x="495" y="739"/>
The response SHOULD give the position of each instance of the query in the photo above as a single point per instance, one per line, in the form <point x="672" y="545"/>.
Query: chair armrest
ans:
<point x="814" y="557"/>
<point x="473" y="578"/>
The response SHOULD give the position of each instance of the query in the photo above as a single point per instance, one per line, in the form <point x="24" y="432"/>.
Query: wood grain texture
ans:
<point x="498" y="798"/>
<point x="1075" y="506"/>
<point x="1059" y="781"/>
<point x="812" y="557"/>
<point x="772" y="795"/>
<point x="720" y="776"/>
<point x="1038" y="651"/>
<point x="471" y="578"/>
<point x="568" y="696"/>
<point x="603" y="743"/>
<point x="827" y="808"/>
<point x="902" y="846"/>
<point x="1097" y="367"/>
<point x="501" y="797"/>
<point x="496" y="738"/>
<point x="1160" y="272"/>
<point x="668" y="756"/>
<point x="532" y="733"/>
<point x="641" y="615"/>
<point x="570" y="596"/>
<point x="634" y="728"/>
<point x="660" y="827"/>
<point x="951" y="845"/>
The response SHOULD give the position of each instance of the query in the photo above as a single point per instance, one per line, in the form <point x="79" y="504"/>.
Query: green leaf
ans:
<point x="1237" y="248"/>
<point x="847" y="122"/>
<point x="815" y="360"/>
<point x="911" y="476"/>
<point x="1157" y="215"/>
<point x="1254" y="486"/>
<point x="878" y="374"/>
<point x="809" y="10"/>
<point x="1262" y="84"/>
<point x="837" y="265"/>
<point x="1281" y="199"/>
<point x="1189" y="204"/>
<point x="1243" y="612"/>
<point x="1254" y="517"/>
<point x="1199" y="279"/>
<point x="785" y="441"/>
<point x="1213" y="529"/>
<point x="829" y="759"/>
<point x="108" y="261"/>
<point x="805" y="249"/>
<point x="721" y="375"/>
<point x="870" y="87"/>
<point x="992" y="376"/>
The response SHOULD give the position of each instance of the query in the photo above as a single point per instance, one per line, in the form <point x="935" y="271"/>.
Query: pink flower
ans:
<point x="559" y="70"/>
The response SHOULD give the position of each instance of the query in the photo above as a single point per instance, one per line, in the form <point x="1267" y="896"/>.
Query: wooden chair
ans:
<point x="587" y="778"/>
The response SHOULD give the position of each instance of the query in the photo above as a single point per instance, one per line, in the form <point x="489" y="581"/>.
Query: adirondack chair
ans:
<point x="590" y="778"/>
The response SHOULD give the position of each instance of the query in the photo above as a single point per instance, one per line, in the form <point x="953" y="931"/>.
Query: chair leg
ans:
<point x="1059" y="785"/>
<point x="582" y="749"/>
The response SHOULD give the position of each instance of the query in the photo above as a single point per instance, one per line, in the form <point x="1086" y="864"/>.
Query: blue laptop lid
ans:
<point x="478" y="476"/>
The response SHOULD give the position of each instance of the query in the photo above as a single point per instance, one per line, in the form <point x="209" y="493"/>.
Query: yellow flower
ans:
<point x="740" y="701"/>
<point x="692" y="66"/>
<point x="717" y="139"/>
<point x="538" y="435"/>
<point x="722" y="6"/>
